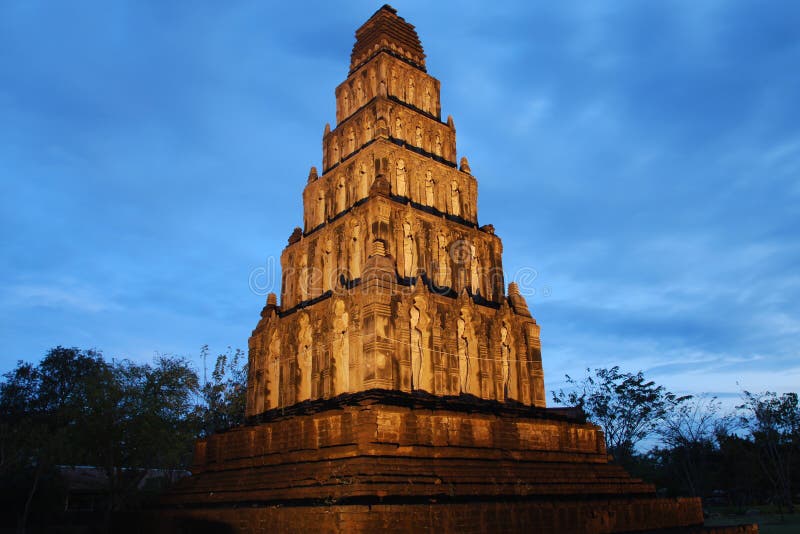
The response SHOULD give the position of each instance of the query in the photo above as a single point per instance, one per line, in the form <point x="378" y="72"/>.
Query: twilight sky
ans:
<point x="640" y="161"/>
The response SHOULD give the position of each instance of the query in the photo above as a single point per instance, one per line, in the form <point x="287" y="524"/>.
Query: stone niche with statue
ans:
<point x="398" y="385"/>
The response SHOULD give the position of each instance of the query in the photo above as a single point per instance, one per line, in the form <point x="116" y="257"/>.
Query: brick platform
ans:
<point x="384" y="460"/>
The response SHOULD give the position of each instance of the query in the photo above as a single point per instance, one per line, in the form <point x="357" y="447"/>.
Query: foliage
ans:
<point x="158" y="402"/>
<point x="689" y="432"/>
<point x="731" y="461"/>
<point x="774" y="423"/>
<point x="45" y="412"/>
<point x="74" y="408"/>
<point x="626" y="406"/>
<point x="739" y="474"/>
<point x="700" y="451"/>
<point x="224" y="396"/>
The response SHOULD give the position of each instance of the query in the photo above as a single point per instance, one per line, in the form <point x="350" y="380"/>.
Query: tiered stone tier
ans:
<point x="425" y="454"/>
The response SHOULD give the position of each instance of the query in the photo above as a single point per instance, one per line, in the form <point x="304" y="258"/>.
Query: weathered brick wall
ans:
<point x="368" y="427"/>
<point x="377" y="467"/>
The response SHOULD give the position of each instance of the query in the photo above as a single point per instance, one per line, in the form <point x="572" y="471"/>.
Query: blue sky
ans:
<point x="640" y="161"/>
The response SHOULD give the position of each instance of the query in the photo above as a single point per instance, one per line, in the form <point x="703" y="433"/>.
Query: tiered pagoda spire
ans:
<point x="397" y="387"/>
<point x="385" y="31"/>
<point x="391" y="283"/>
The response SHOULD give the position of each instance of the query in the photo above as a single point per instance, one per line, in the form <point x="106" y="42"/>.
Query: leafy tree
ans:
<point x="155" y="406"/>
<point x="74" y="408"/>
<point x="26" y="444"/>
<point x="774" y="423"/>
<point x="43" y="412"/>
<point x="143" y="420"/>
<point x="626" y="406"/>
<point x="225" y="395"/>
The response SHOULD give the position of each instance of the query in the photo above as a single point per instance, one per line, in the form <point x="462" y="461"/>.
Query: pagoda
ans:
<point x="398" y="385"/>
<point x="391" y="284"/>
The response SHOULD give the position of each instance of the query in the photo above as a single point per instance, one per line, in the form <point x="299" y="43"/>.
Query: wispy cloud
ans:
<point x="56" y="296"/>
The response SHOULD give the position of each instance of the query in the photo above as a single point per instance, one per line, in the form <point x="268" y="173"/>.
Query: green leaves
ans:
<point x="76" y="408"/>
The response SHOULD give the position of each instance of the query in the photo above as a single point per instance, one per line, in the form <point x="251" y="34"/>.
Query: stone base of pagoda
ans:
<point x="381" y="460"/>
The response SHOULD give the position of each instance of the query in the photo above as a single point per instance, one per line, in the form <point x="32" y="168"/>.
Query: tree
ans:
<point x="774" y="424"/>
<point x="43" y="412"/>
<point x="626" y="406"/>
<point x="739" y="474"/>
<point x="224" y="397"/>
<point x="155" y="411"/>
<point x="25" y="443"/>
<point x="142" y="420"/>
<point x="74" y="408"/>
<point x="690" y="431"/>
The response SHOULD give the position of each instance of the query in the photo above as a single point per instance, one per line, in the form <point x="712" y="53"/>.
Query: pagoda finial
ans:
<point x="386" y="30"/>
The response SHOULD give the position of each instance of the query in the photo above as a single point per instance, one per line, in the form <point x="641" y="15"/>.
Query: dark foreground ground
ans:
<point x="768" y="519"/>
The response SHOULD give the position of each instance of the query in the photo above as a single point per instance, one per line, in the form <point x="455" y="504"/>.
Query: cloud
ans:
<point x="72" y="297"/>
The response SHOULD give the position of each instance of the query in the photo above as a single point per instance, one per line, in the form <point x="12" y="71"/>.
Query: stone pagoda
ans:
<point x="398" y="385"/>
<point x="391" y="284"/>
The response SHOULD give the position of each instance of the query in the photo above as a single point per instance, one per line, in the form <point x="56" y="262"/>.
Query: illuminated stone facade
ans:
<point x="398" y="387"/>
<point x="391" y="283"/>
